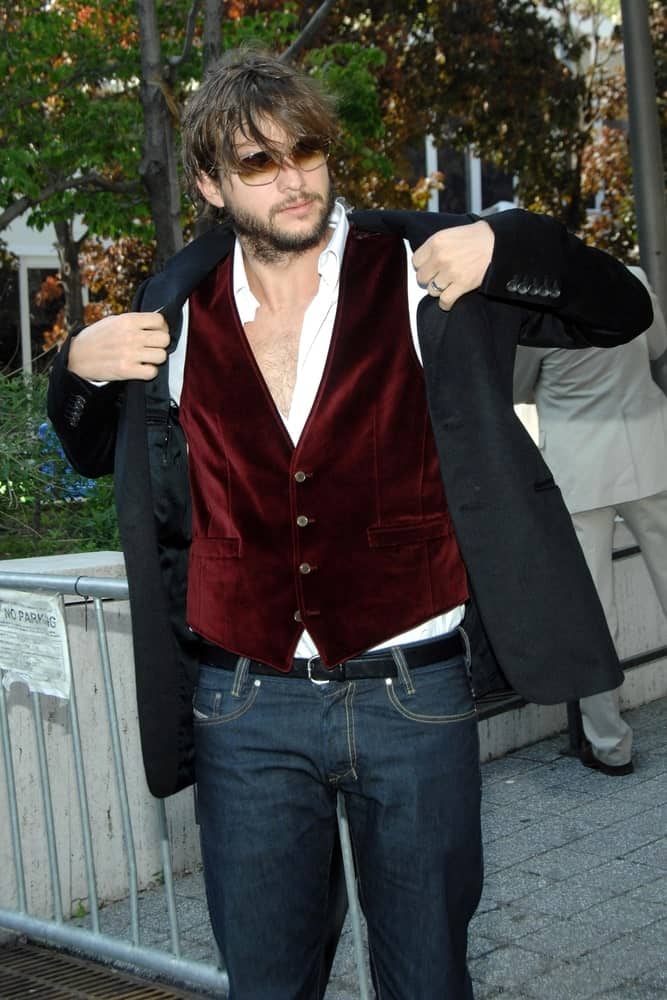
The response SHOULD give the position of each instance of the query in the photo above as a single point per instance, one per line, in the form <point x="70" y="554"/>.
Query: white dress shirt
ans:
<point x="314" y="344"/>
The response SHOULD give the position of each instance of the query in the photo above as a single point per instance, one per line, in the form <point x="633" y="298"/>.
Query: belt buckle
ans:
<point x="309" y="668"/>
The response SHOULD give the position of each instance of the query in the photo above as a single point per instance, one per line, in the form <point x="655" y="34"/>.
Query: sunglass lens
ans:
<point x="308" y="155"/>
<point x="258" y="168"/>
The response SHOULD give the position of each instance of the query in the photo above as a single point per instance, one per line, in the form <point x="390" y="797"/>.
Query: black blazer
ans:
<point x="535" y="618"/>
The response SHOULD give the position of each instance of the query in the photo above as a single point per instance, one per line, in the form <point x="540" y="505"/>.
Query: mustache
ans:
<point x="298" y="199"/>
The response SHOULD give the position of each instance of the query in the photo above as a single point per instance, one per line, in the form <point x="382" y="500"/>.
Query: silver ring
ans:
<point x="438" y="289"/>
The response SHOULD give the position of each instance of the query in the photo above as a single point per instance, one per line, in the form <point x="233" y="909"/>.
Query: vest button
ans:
<point x="302" y="520"/>
<point x="305" y="568"/>
<point x="300" y="476"/>
<point x="297" y="616"/>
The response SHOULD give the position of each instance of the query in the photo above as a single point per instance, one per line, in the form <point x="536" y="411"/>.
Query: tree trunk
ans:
<point x="70" y="273"/>
<point x="159" y="162"/>
<point x="212" y="37"/>
<point x="212" y="44"/>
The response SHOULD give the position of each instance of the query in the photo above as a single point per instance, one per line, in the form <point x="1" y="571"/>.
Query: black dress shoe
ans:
<point x="588" y="759"/>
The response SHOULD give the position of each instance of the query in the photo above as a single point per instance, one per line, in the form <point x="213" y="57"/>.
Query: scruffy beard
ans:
<point x="267" y="242"/>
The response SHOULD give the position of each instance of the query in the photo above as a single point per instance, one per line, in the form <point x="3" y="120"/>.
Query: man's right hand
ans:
<point x="116" y="348"/>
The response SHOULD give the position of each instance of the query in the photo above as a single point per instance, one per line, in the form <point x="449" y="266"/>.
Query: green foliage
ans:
<point x="45" y="507"/>
<point x="350" y="72"/>
<point x="70" y="109"/>
<point x="273" y="29"/>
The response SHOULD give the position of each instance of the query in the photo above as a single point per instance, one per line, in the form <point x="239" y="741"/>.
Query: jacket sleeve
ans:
<point x="84" y="417"/>
<point x="575" y="295"/>
<point x="572" y="295"/>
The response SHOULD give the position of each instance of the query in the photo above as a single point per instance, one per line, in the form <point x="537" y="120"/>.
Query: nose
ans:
<point x="289" y="174"/>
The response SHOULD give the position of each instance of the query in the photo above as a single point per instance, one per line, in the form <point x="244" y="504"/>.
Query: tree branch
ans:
<point x="173" y="62"/>
<point x="309" y="33"/>
<point x="95" y="75"/>
<point x="92" y="180"/>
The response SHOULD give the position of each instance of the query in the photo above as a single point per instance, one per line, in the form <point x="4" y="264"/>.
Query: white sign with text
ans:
<point x="33" y="642"/>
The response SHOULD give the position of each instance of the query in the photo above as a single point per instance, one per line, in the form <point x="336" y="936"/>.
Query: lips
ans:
<point x="293" y="206"/>
<point x="296" y="206"/>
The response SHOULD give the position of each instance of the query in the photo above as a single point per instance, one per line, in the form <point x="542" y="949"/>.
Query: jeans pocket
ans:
<point x="213" y="706"/>
<point x="441" y="694"/>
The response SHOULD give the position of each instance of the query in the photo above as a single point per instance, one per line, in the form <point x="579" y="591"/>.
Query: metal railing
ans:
<point x="57" y="930"/>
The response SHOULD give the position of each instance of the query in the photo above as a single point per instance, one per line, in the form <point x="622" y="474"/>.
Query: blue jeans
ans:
<point x="272" y="752"/>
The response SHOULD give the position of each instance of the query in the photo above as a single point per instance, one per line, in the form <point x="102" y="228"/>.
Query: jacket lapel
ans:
<point x="168" y="291"/>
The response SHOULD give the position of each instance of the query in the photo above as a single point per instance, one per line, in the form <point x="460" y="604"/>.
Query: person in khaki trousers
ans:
<point x="603" y="432"/>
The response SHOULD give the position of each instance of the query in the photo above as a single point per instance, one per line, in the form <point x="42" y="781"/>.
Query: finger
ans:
<point x="152" y="356"/>
<point x="420" y="256"/>
<point x="425" y="272"/>
<point x="145" y="321"/>
<point x="146" y="372"/>
<point x="141" y="371"/>
<point x="435" y="288"/>
<point x="450" y="295"/>
<point x="155" y="338"/>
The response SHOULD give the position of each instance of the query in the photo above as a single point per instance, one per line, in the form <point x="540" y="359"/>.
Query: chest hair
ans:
<point x="274" y="342"/>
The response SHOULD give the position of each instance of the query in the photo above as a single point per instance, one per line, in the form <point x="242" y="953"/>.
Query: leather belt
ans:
<point x="379" y="663"/>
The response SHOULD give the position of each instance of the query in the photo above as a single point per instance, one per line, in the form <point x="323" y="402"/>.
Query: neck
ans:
<point x="289" y="278"/>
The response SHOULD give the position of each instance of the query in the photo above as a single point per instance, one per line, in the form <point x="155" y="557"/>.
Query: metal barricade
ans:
<point x="57" y="927"/>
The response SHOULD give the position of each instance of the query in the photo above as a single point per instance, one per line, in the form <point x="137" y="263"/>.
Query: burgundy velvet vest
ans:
<point x="348" y="533"/>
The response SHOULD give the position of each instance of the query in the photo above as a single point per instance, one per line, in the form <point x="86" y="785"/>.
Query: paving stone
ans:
<point x="510" y="884"/>
<point x="587" y="888"/>
<point x="510" y="922"/>
<point x="508" y="967"/>
<point x="620" y="839"/>
<point x="632" y="991"/>
<point x="655" y="890"/>
<point x="654" y="855"/>
<point x="562" y="863"/>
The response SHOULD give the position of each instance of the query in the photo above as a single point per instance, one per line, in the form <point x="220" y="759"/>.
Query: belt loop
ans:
<point x="240" y="675"/>
<point x="402" y="668"/>
<point x="467" y="655"/>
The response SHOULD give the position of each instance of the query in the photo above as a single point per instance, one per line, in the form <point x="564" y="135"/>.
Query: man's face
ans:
<point x="287" y="215"/>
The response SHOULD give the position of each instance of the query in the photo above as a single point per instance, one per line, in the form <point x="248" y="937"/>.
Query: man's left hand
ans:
<point x="454" y="261"/>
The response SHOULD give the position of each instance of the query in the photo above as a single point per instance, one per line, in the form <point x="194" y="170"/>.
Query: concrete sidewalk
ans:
<point x="575" y="898"/>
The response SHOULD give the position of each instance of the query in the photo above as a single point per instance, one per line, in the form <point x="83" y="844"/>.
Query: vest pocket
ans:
<point x="216" y="548"/>
<point x="409" y="532"/>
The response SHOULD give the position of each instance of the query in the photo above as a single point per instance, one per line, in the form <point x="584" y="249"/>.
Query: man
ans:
<point x="603" y="433"/>
<point x="307" y="513"/>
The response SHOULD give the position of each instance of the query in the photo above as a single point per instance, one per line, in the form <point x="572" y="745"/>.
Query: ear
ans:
<point x="210" y="191"/>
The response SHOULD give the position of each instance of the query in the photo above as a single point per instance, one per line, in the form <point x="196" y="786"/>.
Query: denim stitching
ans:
<point x="351" y="742"/>
<point x="431" y="719"/>
<point x="201" y="716"/>
<point x="236" y="714"/>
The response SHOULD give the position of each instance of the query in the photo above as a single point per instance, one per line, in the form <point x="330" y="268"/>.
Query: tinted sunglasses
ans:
<point x="263" y="168"/>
